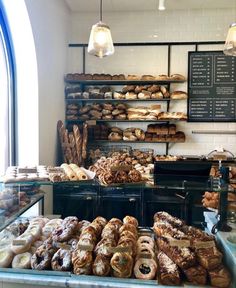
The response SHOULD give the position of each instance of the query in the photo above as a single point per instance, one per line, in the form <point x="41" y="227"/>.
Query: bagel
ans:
<point x="22" y="261"/>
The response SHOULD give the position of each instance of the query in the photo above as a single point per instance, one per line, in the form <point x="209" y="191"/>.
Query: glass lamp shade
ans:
<point x="100" y="41"/>
<point x="230" y="43"/>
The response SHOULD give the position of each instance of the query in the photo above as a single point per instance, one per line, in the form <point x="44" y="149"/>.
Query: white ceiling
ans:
<point x="140" y="5"/>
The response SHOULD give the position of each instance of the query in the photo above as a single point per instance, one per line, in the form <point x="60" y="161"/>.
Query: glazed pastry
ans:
<point x="220" y="277"/>
<point x="168" y="270"/>
<point x="122" y="265"/>
<point x="196" y="275"/>
<point x="82" y="261"/>
<point x="22" y="261"/>
<point x="209" y="258"/>
<point x="102" y="247"/>
<point x="166" y="217"/>
<point x="130" y="220"/>
<point x="27" y="241"/>
<point x="182" y="257"/>
<point x="101" y="266"/>
<point x="145" y="269"/>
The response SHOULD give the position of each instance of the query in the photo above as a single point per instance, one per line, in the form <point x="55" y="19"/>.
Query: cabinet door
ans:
<point x="150" y="208"/>
<point x="120" y="207"/>
<point x="82" y="206"/>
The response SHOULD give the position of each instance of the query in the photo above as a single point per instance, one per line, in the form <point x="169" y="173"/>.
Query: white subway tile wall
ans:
<point x="155" y="26"/>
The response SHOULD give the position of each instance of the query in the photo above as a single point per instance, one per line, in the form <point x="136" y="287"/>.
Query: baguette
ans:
<point x="85" y="141"/>
<point x="78" y="143"/>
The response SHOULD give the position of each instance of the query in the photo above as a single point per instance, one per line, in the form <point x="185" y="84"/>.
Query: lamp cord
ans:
<point x="101" y="10"/>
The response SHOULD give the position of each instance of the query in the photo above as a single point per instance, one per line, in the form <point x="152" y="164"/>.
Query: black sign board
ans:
<point x="211" y="87"/>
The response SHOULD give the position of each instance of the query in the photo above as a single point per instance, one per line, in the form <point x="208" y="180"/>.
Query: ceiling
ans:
<point x="140" y="5"/>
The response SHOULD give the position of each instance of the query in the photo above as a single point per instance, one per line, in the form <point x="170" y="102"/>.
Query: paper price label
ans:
<point x="27" y="170"/>
<point x="18" y="242"/>
<point x="202" y="244"/>
<point x="179" y="243"/>
<point x="119" y="249"/>
<point x="85" y="247"/>
<point x="145" y="255"/>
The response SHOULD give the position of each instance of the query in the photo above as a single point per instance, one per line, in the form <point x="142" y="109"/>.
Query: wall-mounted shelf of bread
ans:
<point x="94" y="122"/>
<point x="121" y="79"/>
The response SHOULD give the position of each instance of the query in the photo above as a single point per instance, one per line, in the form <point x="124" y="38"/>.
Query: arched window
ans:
<point x="7" y="97"/>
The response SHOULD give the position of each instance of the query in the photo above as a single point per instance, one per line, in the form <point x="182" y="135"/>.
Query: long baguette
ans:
<point x="78" y="143"/>
<point x="85" y="141"/>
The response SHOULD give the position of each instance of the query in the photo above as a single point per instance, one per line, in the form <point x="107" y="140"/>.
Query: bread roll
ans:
<point x="79" y="173"/>
<point x="69" y="172"/>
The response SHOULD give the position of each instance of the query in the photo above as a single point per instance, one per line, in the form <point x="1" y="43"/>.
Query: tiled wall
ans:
<point x="170" y="26"/>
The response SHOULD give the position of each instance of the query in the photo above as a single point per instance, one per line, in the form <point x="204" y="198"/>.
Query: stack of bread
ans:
<point x="188" y="251"/>
<point x="142" y="92"/>
<point x="144" y="113"/>
<point x="164" y="133"/>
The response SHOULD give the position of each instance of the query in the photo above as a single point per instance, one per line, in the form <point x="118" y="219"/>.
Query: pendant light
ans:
<point x="230" y="43"/>
<point x="100" y="40"/>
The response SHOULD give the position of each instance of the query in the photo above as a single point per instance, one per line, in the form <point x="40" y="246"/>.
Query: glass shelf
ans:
<point x="5" y="220"/>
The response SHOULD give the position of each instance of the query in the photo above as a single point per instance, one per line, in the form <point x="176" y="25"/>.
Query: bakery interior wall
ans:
<point x="50" y="21"/>
<point x="150" y="26"/>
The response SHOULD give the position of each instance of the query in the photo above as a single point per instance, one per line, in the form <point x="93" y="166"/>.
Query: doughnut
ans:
<point x="146" y="239"/>
<point x="61" y="260"/>
<point x="6" y="256"/>
<point x="37" y="243"/>
<point x="62" y="234"/>
<point x="130" y="220"/>
<point x="145" y="269"/>
<point x="101" y="266"/>
<point x="35" y="230"/>
<point x="145" y="249"/>
<point x="22" y="247"/>
<point x="122" y="265"/>
<point x="22" y="261"/>
<point x="41" y="260"/>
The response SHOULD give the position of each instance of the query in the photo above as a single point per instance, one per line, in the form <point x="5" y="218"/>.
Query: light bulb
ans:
<point x="100" y="41"/>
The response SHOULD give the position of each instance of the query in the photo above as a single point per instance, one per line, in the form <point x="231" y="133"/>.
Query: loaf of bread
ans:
<point x="178" y="95"/>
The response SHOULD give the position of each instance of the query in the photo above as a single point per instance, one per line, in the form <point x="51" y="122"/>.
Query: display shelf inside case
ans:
<point x="7" y="218"/>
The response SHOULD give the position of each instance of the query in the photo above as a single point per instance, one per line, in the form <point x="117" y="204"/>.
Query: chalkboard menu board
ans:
<point x="211" y="87"/>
